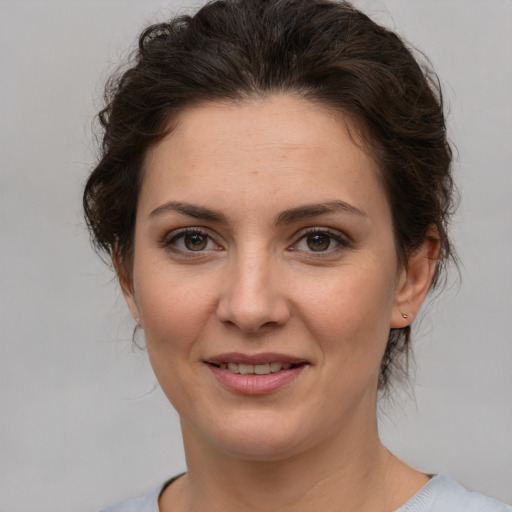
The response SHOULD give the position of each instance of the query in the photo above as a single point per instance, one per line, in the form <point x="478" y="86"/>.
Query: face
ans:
<point x="265" y="276"/>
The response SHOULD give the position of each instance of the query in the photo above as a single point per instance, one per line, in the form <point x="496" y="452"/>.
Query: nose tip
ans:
<point x="252" y="302"/>
<point x="252" y="318"/>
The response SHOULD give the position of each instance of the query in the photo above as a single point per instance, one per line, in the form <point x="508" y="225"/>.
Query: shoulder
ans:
<point x="146" y="503"/>
<point x="443" y="494"/>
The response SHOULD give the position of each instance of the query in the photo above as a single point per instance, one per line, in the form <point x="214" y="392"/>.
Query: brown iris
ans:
<point x="318" y="241"/>
<point x="195" y="241"/>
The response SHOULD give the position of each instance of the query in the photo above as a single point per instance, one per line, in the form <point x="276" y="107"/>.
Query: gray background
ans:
<point x="82" y="421"/>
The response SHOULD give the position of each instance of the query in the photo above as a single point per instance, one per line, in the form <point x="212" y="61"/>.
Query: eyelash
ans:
<point x="170" y="240"/>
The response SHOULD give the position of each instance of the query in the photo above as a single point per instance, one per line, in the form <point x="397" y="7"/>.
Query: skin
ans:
<point x="257" y="284"/>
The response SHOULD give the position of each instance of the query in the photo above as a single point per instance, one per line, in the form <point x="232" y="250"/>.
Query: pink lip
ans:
<point x="255" y="384"/>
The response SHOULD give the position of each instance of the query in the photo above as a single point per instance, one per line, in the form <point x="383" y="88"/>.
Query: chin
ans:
<point x="258" y="436"/>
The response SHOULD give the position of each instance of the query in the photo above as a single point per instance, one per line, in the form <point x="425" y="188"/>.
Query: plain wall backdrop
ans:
<point x="82" y="421"/>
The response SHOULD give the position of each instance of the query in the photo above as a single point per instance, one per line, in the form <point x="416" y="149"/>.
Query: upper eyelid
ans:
<point x="328" y="231"/>
<point x="318" y="229"/>
<point x="188" y="229"/>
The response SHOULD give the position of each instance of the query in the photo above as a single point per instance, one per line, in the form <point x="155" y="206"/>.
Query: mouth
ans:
<point x="256" y="374"/>
<point x="256" y="369"/>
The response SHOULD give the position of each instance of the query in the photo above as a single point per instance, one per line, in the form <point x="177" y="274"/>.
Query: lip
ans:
<point x="253" y="384"/>
<point x="264" y="358"/>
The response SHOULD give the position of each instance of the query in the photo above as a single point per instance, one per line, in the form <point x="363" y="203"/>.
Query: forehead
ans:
<point x="280" y="120"/>
<point x="290" y="148"/>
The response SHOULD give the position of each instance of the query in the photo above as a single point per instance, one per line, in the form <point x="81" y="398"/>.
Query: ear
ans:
<point x="126" y="283"/>
<point x="414" y="280"/>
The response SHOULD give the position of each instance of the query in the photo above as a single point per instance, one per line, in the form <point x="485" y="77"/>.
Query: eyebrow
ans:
<point x="314" y="210"/>
<point x="191" y="210"/>
<point x="285" y="217"/>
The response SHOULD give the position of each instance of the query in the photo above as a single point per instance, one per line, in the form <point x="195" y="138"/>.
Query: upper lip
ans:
<point x="264" y="358"/>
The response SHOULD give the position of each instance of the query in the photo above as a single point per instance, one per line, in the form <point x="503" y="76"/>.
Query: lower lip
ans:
<point x="256" y="384"/>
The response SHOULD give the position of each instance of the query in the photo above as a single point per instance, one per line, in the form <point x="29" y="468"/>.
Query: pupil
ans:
<point x="318" y="242"/>
<point x="195" y="242"/>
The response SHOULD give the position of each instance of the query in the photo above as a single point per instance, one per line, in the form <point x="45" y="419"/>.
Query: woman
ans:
<point x="274" y="192"/>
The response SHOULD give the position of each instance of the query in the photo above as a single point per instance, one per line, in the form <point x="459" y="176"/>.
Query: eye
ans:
<point x="195" y="241"/>
<point x="318" y="240"/>
<point x="190" y="240"/>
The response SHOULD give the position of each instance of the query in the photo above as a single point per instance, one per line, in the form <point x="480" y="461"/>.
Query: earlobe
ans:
<point x="414" y="281"/>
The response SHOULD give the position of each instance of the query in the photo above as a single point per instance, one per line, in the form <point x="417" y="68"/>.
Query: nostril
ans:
<point x="251" y="328"/>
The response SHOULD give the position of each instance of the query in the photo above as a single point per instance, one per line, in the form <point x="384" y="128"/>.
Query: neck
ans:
<point x="349" y="473"/>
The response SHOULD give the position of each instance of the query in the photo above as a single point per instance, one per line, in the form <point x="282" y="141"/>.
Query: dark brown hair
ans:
<point x="320" y="50"/>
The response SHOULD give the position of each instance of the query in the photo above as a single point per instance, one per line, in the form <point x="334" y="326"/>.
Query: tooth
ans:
<point x="275" y="367"/>
<point x="246" y="368"/>
<point x="223" y="366"/>
<point x="286" y="366"/>
<point x="233" y="367"/>
<point x="261" y="369"/>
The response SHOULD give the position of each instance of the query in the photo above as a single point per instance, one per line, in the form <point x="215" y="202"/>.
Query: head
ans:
<point x="319" y="52"/>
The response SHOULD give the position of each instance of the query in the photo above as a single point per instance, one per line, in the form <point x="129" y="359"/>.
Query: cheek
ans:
<point x="176" y="315"/>
<point x="351" y="312"/>
<point x="174" y="310"/>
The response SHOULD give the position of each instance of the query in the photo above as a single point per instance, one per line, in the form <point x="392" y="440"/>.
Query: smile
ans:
<point x="255" y="374"/>
<point x="256" y="369"/>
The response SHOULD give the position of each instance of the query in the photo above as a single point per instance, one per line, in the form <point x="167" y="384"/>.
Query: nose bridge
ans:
<point x="251" y="297"/>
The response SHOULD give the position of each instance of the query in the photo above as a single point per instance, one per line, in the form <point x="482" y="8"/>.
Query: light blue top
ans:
<point x="440" y="494"/>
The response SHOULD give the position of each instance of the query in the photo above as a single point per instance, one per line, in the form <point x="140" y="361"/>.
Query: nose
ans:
<point x="252" y="298"/>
